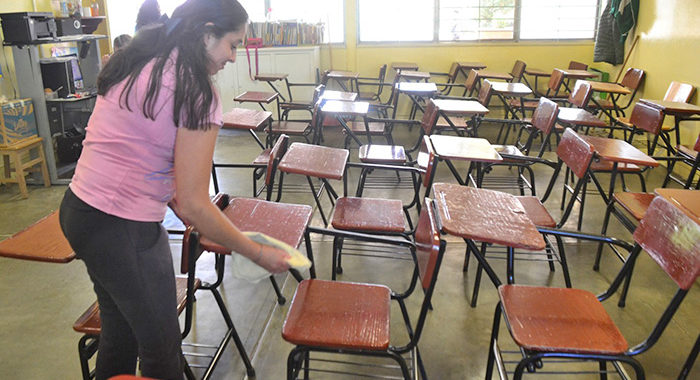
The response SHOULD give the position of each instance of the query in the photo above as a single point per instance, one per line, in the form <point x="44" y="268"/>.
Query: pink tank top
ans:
<point x="126" y="166"/>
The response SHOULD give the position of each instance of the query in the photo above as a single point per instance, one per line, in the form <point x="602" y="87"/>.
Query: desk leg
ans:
<point x="510" y="266"/>
<point x="349" y="131"/>
<point x="482" y="260"/>
<point x="257" y="139"/>
<point x="277" y="91"/>
<point x="454" y="172"/>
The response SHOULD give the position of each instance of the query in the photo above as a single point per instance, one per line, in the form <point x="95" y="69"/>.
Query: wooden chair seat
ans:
<point x="336" y="314"/>
<point x="604" y="104"/>
<point x="624" y="121"/>
<point x="606" y="166"/>
<point x="384" y="154"/>
<point x="511" y="150"/>
<point x="459" y="122"/>
<point x="634" y="203"/>
<point x="536" y="211"/>
<point x="254" y="215"/>
<point x="375" y="128"/>
<point x="528" y="104"/>
<point x="263" y="158"/>
<point x="13" y="157"/>
<point x="291" y="127"/>
<point x="296" y="105"/>
<point x="561" y="320"/>
<point x="367" y="95"/>
<point x="89" y="322"/>
<point x="687" y="151"/>
<point x="368" y="215"/>
<point x="315" y="161"/>
<point x="42" y="241"/>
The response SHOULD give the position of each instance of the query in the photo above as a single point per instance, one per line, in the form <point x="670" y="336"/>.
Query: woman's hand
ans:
<point x="273" y="259"/>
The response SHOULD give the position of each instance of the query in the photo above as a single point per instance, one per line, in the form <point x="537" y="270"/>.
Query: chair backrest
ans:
<point x="318" y="90"/>
<point x="581" y="94"/>
<point x="679" y="92"/>
<point x="470" y="82"/>
<point x="430" y="166"/>
<point x="633" y="78"/>
<point x="324" y="77"/>
<point x="545" y="116"/>
<point x="672" y="239"/>
<point x="518" y="70"/>
<point x="485" y="93"/>
<point x="697" y="144"/>
<point x="430" y="117"/>
<point x="555" y="81"/>
<point x="573" y="65"/>
<point x="380" y="78"/>
<point x="278" y="150"/>
<point x="428" y="246"/>
<point x="575" y="152"/>
<point x="647" y="118"/>
<point x="452" y="74"/>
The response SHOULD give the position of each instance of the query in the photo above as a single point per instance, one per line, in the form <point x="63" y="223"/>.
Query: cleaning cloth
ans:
<point x="246" y="269"/>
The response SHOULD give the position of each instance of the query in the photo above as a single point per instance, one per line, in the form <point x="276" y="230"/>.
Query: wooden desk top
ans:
<point x="256" y="97"/>
<point x="242" y="118"/>
<point x="511" y="89"/>
<point x="345" y="108"/>
<point x="42" y="241"/>
<point x="537" y="72"/>
<point x="271" y="77"/>
<point x="612" y="88"/>
<point x="339" y="95"/>
<point x="404" y="66"/>
<point x="315" y="161"/>
<point x="684" y="199"/>
<point x="336" y="74"/>
<point x="577" y="74"/>
<point x="454" y="107"/>
<point x="494" y="75"/>
<point x="579" y="117"/>
<point x="485" y="215"/>
<point x="254" y="215"/>
<point x="414" y="74"/>
<point x="673" y="107"/>
<point x="471" y="65"/>
<point x="619" y="151"/>
<point x="417" y="88"/>
<point x="464" y="148"/>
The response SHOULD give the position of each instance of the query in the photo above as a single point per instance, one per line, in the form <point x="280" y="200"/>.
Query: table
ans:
<point x="315" y="161"/>
<point x="260" y="97"/>
<point x="680" y="111"/>
<point x="610" y="88"/>
<point x="475" y="150"/>
<point x="460" y="108"/>
<point x="404" y="66"/>
<point x="487" y="216"/>
<point x="269" y="78"/>
<point x="686" y="200"/>
<point x="42" y="241"/>
<point x="617" y="152"/>
<point x="339" y="109"/>
<point x="415" y="91"/>
<point x="341" y="76"/>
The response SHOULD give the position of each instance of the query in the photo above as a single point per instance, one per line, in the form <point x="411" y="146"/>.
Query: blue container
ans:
<point x="18" y="122"/>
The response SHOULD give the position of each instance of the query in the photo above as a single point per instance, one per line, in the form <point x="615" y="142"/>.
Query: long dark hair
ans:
<point x="184" y="31"/>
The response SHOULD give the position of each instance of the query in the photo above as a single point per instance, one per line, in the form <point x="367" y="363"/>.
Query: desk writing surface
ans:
<point x="685" y="199"/>
<point x="339" y="95"/>
<point x="471" y="65"/>
<point x="577" y="74"/>
<point x="612" y="88"/>
<point x="494" y="75"/>
<point x="537" y="72"/>
<point x="485" y="215"/>
<point x="454" y="107"/>
<point x="464" y="148"/>
<point x="414" y="74"/>
<point x="270" y="77"/>
<point x="42" y="241"/>
<point x="673" y="107"/>
<point x="404" y="66"/>
<point x="337" y="74"/>
<point x="579" y="117"/>
<point x="256" y="97"/>
<point x="511" y="89"/>
<point x="345" y="108"/>
<point x="242" y="118"/>
<point x="315" y="161"/>
<point x="619" y="151"/>
<point x="417" y="87"/>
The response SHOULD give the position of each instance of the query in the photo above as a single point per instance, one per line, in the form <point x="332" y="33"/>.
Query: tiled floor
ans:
<point x="39" y="302"/>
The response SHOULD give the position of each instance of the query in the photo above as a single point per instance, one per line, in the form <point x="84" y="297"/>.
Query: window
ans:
<point x="473" y="20"/>
<point x="122" y="14"/>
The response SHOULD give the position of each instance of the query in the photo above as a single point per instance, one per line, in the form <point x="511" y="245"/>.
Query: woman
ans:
<point x="150" y="140"/>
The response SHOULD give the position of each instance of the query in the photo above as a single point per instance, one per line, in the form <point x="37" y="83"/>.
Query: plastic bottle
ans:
<point x="94" y="9"/>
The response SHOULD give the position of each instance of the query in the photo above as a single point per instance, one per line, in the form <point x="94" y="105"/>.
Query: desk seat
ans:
<point x="536" y="211"/>
<point x="634" y="203"/>
<point x="263" y="158"/>
<point x="368" y="215"/>
<point x="459" y="122"/>
<point x="362" y="310"/>
<point x="604" y="166"/>
<point x="574" y="320"/>
<point x="290" y="127"/>
<point x="375" y="128"/>
<point x="684" y="150"/>
<point x="385" y="154"/>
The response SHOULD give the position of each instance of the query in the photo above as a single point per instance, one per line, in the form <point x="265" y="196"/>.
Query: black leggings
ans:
<point x="130" y="265"/>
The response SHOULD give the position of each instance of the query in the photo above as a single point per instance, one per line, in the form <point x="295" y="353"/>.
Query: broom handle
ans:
<point x="634" y="43"/>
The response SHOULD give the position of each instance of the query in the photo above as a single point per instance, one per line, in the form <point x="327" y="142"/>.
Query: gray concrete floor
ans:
<point x="39" y="302"/>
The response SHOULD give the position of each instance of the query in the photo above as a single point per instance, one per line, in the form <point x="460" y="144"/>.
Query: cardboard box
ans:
<point x="17" y="121"/>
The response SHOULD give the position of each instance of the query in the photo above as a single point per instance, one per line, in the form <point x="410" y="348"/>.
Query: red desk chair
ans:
<point x="690" y="157"/>
<point x="297" y="127"/>
<point x="632" y="81"/>
<point x="573" y="65"/>
<point x="546" y="323"/>
<point x="355" y="318"/>
<point x="89" y="322"/>
<point x="376" y="83"/>
<point x="450" y="78"/>
<point x="553" y="87"/>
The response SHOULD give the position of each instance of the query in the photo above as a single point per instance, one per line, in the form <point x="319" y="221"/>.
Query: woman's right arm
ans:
<point x="194" y="150"/>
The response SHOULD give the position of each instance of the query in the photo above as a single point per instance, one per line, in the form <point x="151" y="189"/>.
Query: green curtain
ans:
<point x="625" y="14"/>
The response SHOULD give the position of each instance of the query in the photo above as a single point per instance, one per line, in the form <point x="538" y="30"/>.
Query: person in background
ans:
<point x="149" y="141"/>
<point x="119" y="42"/>
<point x="149" y="13"/>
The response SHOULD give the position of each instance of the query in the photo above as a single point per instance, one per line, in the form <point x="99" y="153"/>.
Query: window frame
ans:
<point x="436" y="31"/>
